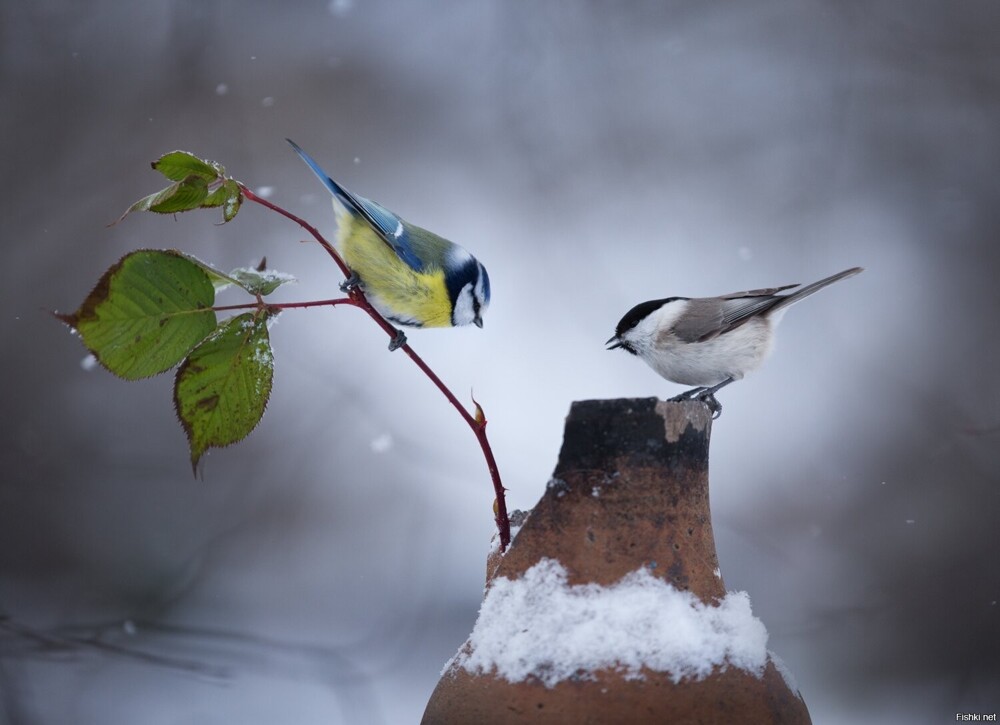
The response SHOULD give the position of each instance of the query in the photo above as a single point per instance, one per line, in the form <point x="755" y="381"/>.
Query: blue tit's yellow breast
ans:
<point x="395" y="289"/>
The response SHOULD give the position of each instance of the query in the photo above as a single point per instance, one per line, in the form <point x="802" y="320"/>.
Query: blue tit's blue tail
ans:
<point x="389" y="226"/>
<point x="336" y="189"/>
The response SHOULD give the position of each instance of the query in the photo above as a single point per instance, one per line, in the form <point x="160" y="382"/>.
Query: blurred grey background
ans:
<point x="592" y="155"/>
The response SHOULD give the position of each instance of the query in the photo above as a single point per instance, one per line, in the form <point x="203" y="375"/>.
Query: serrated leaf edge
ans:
<point x="196" y="457"/>
<point x="72" y="319"/>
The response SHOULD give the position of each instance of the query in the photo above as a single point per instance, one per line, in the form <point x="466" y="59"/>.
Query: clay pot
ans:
<point x="630" y="492"/>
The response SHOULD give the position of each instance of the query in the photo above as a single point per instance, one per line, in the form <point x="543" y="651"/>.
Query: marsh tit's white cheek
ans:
<point x="652" y="333"/>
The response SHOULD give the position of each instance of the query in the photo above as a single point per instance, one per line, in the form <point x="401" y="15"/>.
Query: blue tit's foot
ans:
<point x="687" y="395"/>
<point x="398" y="341"/>
<point x="352" y="282"/>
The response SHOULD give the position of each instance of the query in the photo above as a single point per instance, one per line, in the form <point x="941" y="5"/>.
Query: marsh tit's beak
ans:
<point x="613" y="339"/>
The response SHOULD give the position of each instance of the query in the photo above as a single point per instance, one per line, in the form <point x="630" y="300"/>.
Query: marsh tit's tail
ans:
<point x="791" y="299"/>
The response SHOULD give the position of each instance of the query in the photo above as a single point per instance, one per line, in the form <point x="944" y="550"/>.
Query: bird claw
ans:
<point x="398" y="341"/>
<point x="352" y="282"/>
<point x="686" y="395"/>
<point x="714" y="406"/>
<point x="702" y="395"/>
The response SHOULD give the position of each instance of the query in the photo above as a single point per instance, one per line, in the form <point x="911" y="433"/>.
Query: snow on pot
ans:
<point x="609" y="606"/>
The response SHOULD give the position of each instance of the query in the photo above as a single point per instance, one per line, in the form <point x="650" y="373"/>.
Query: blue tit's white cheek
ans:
<point x="465" y="309"/>
<point x="456" y="256"/>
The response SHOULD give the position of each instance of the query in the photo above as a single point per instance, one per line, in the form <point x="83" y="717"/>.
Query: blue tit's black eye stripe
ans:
<point x="634" y="316"/>
<point x="456" y="279"/>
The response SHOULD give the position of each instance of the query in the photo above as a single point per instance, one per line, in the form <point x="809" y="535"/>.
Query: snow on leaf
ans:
<point x="260" y="282"/>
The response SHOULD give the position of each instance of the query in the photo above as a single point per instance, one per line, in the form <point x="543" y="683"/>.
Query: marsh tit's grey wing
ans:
<point x="768" y="292"/>
<point x="702" y="320"/>
<point x="707" y="317"/>
<point x="736" y="312"/>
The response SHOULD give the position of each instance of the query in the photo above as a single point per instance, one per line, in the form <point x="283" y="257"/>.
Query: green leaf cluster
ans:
<point x="197" y="184"/>
<point x="153" y="310"/>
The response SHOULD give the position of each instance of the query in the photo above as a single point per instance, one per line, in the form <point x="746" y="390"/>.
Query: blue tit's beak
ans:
<point x="478" y="322"/>
<point x="613" y="339"/>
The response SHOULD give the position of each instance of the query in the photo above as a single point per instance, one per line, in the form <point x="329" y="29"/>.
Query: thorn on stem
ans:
<point x="480" y="416"/>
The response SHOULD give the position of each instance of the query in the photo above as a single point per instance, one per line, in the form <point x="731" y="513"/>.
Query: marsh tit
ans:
<point x="411" y="276"/>
<point x="709" y="342"/>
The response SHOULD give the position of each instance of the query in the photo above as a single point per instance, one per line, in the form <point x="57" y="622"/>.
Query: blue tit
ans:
<point x="410" y="275"/>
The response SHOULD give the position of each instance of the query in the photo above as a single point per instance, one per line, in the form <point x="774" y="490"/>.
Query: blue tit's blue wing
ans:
<point x="389" y="226"/>
<point x="392" y="229"/>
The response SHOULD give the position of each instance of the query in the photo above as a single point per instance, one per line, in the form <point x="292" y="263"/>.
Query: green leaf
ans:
<point x="198" y="184"/>
<point x="178" y="165"/>
<point x="260" y="282"/>
<point x="220" y="280"/>
<point x="229" y="197"/>
<point x="146" y="312"/>
<point x="184" y="195"/>
<point x="221" y="390"/>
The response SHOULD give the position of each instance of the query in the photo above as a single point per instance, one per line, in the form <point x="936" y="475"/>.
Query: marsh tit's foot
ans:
<point x="352" y="282"/>
<point x="687" y="395"/>
<point x="714" y="406"/>
<point x="398" y="341"/>
<point x="707" y="396"/>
